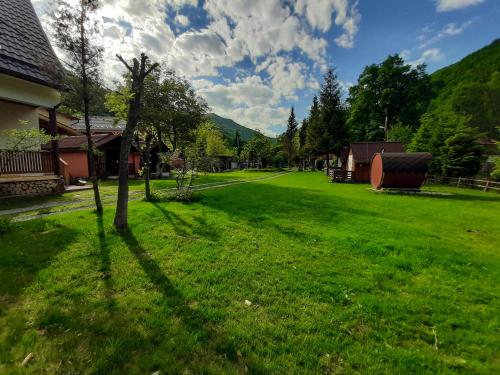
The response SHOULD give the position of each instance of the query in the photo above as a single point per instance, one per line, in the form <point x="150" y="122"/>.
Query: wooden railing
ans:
<point x="337" y="175"/>
<point x="465" y="182"/>
<point x="19" y="162"/>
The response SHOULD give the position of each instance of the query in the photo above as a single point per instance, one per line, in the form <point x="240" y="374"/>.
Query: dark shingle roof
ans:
<point x="101" y="123"/>
<point x="80" y="142"/>
<point x="363" y="152"/>
<point x="25" y="51"/>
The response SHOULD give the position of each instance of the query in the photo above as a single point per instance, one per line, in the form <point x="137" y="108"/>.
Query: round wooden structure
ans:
<point x="399" y="170"/>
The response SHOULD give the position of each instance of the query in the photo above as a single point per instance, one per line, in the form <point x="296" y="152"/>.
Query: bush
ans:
<point x="5" y="224"/>
<point x="495" y="174"/>
<point x="183" y="195"/>
<point x="180" y="195"/>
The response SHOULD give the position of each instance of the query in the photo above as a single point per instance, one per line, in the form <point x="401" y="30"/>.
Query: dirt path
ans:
<point x="71" y="206"/>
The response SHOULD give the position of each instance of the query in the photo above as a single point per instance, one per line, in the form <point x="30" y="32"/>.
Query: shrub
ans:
<point x="182" y="195"/>
<point x="5" y="224"/>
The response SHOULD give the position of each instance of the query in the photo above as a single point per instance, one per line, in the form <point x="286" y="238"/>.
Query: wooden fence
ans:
<point x="485" y="185"/>
<point x="18" y="162"/>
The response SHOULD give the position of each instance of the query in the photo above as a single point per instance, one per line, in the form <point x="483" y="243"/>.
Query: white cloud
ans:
<point x="319" y="15"/>
<point x="182" y="20"/>
<point x="449" y="5"/>
<point x="429" y="55"/>
<point x="267" y="33"/>
<point x="427" y="37"/>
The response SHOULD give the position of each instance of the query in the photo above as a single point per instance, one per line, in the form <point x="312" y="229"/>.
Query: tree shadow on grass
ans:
<point x="485" y="197"/>
<point x="105" y="266"/>
<point x="214" y="345"/>
<point x="28" y="248"/>
<point x="181" y="227"/>
<point x="177" y="223"/>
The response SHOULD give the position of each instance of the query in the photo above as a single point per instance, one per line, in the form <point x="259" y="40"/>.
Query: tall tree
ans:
<point x="288" y="139"/>
<point x="303" y="150"/>
<point x="138" y="71"/>
<point x="327" y="131"/>
<point x="387" y="94"/>
<point x="76" y="33"/>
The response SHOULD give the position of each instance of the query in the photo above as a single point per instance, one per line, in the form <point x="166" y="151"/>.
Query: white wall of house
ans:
<point x="10" y="116"/>
<point x="19" y="100"/>
<point x="21" y="91"/>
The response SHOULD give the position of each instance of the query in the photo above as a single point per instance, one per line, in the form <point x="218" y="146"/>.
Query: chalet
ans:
<point x="355" y="161"/>
<point x="73" y="151"/>
<point x="30" y="91"/>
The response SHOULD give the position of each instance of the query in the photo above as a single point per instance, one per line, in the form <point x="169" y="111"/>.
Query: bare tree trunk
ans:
<point x="327" y="163"/>
<point x="147" y="164"/>
<point x="139" y="73"/>
<point x="88" y="132"/>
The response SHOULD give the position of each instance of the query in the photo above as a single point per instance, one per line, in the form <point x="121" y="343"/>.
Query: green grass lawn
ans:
<point x="340" y="279"/>
<point x="109" y="189"/>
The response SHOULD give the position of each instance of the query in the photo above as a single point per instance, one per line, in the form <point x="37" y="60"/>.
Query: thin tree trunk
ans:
<point x="139" y="73"/>
<point x="121" y="221"/>
<point x="90" y="143"/>
<point x="327" y="163"/>
<point x="147" y="163"/>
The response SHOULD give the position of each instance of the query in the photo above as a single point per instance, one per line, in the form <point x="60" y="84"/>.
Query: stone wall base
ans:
<point x="52" y="185"/>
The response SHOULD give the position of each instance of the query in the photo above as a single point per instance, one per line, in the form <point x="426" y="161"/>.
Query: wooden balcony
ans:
<point x="26" y="162"/>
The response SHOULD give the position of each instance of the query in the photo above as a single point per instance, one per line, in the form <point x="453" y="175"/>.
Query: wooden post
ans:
<point x="459" y="180"/>
<point x="486" y="186"/>
<point x="55" y="142"/>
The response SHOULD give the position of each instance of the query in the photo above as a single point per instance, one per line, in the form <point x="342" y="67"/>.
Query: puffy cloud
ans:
<point x="319" y="15"/>
<point x="448" y="5"/>
<point x="279" y="43"/>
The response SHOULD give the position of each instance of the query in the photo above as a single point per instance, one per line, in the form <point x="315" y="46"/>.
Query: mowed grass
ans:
<point x="109" y="188"/>
<point x="340" y="280"/>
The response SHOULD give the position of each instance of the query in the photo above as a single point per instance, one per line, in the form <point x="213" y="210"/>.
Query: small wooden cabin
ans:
<point x="360" y="155"/>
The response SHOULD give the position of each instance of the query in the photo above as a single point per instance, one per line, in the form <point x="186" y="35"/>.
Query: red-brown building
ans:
<point x="73" y="154"/>
<point x="360" y="154"/>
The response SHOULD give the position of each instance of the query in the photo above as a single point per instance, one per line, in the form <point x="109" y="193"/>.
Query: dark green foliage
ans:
<point x="332" y="115"/>
<point x="387" y="94"/>
<point x="400" y="133"/>
<point x="451" y="141"/>
<point x="288" y="138"/>
<point x="461" y="155"/>
<point x="258" y="151"/>
<point x="327" y="131"/>
<point x="471" y="88"/>
<point x="72" y="102"/>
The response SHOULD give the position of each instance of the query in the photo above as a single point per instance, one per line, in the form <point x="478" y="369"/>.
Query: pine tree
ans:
<point x="289" y="144"/>
<point x="328" y="131"/>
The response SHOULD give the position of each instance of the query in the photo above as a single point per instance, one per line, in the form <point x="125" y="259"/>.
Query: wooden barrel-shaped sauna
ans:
<point x="398" y="170"/>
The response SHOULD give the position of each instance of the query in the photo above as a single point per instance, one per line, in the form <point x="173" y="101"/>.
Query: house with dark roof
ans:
<point x="358" y="157"/>
<point x="73" y="152"/>
<point x="100" y="125"/>
<point x="30" y="81"/>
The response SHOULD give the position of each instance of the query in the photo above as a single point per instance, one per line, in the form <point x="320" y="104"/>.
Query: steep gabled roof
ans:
<point x="101" y="123"/>
<point x="25" y="51"/>
<point x="363" y="152"/>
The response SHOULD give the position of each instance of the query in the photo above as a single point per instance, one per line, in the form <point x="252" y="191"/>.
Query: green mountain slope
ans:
<point x="472" y="87"/>
<point x="229" y="127"/>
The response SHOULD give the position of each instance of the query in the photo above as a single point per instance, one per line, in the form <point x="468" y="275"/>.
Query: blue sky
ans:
<point x="253" y="60"/>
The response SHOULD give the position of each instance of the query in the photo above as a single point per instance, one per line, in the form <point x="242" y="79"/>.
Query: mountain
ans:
<point x="472" y="87"/>
<point x="229" y="127"/>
